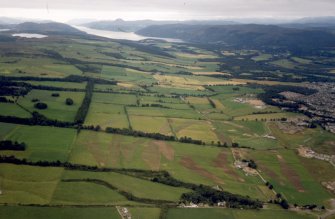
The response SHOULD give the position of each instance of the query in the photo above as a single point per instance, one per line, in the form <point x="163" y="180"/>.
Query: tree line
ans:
<point x="70" y="78"/>
<point x="36" y="119"/>
<point x="83" y="109"/>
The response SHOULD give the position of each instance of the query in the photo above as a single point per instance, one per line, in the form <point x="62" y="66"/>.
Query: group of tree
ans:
<point x="52" y="88"/>
<point x="36" y="119"/>
<point x="154" y="105"/>
<point x="189" y="140"/>
<point x="13" y="146"/>
<point x="5" y="100"/>
<point x="13" y="88"/>
<point x="69" y="101"/>
<point x="40" y="105"/>
<point x="210" y="196"/>
<point x="70" y="78"/>
<point x="269" y="185"/>
<point x="251" y="163"/>
<point x="90" y="127"/>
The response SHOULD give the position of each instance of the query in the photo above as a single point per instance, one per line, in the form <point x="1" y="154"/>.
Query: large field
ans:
<point x="150" y="124"/>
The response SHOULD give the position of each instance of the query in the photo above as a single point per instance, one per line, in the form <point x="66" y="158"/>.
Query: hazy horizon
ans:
<point x="63" y="11"/>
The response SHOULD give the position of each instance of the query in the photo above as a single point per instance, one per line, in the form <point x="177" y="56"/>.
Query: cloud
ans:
<point x="180" y="9"/>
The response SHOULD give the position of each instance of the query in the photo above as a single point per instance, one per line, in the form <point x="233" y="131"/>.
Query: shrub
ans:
<point x="41" y="106"/>
<point x="69" y="101"/>
<point x="55" y="94"/>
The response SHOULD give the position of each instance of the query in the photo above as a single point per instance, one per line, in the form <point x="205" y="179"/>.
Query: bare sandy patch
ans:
<point x="151" y="156"/>
<point x="126" y="85"/>
<point x="227" y="82"/>
<point x="211" y="73"/>
<point x="255" y="102"/>
<point x="128" y="150"/>
<point x="290" y="174"/>
<point x="191" y="165"/>
<point x="165" y="149"/>
<point x="222" y="162"/>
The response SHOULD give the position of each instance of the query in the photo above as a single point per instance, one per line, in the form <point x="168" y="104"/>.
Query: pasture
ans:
<point x="233" y="214"/>
<point x="57" y="109"/>
<point x="186" y="162"/>
<point x="11" y="109"/>
<point x="43" y="143"/>
<point x="287" y="173"/>
<point x="16" y="212"/>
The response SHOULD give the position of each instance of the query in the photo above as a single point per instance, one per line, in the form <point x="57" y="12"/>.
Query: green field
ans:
<point x="233" y="214"/>
<point x="57" y="109"/>
<point x="151" y="124"/>
<point x="59" y="212"/>
<point x="28" y="185"/>
<point x="43" y="143"/>
<point x="10" y="109"/>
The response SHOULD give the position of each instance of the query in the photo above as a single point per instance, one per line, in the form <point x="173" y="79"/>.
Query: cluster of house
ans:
<point x="321" y="105"/>
<point x="124" y="212"/>
<point x="201" y="205"/>
<point x="244" y="165"/>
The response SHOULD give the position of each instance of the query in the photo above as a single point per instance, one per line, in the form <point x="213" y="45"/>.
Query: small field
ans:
<point x="57" y="108"/>
<point x="43" y="143"/>
<point x="233" y="214"/>
<point x="15" y="212"/>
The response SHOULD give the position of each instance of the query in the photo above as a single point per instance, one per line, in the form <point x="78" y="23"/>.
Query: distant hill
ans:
<point x="123" y="26"/>
<point x="249" y="35"/>
<point x="47" y="28"/>
<point x="133" y="26"/>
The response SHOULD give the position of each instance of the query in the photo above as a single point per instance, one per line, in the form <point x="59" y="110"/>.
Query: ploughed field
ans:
<point x="145" y="129"/>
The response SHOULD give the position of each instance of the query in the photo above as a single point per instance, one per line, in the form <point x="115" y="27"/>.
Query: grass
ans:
<point x="318" y="139"/>
<point x="28" y="185"/>
<point x="162" y="112"/>
<point x="290" y="178"/>
<point x="38" y="67"/>
<point x="150" y="124"/>
<point x="16" y="212"/>
<point x="121" y="99"/>
<point x="10" y="109"/>
<point x="247" y="133"/>
<point x="86" y="193"/>
<point x="196" y="129"/>
<point x="285" y="63"/>
<point x="266" y="116"/>
<point x="57" y="109"/>
<point x="5" y="129"/>
<point x="138" y="187"/>
<point x="106" y="115"/>
<point x="43" y="143"/>
<point x="178" y="90"/>
<point x="262" y="57"/>
<point x="233" y="214"/>
<point x="147" y="213"/>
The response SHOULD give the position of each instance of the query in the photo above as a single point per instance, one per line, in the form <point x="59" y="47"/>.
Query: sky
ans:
<point x="64" y="10"/>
